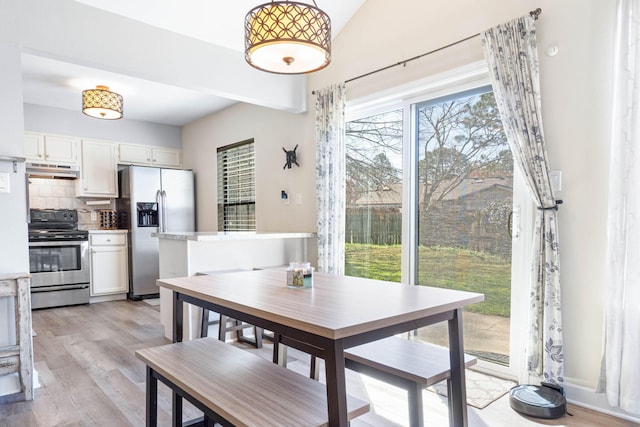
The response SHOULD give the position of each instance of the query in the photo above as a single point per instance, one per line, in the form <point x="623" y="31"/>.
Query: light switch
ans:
<point x="556" y="180"/>
<point x="5" y="182"/>
<point x="298" y="198"/>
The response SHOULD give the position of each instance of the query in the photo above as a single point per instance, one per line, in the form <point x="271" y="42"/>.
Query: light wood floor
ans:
<point x="90" y="377"/>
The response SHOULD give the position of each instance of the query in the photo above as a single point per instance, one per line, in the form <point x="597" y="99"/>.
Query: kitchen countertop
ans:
<point x="203" y="236"/>
<point x="98" y="230"/>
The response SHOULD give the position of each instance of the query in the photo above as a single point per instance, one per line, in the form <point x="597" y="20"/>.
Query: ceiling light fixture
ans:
<point x="101" y="103"/>
<point x="287" y="37"/>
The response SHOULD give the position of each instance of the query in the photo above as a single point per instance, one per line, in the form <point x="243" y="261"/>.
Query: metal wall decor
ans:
<point x="102" y="103"/>
<point x="287" y="37"/>
<point x="292" y="157"/>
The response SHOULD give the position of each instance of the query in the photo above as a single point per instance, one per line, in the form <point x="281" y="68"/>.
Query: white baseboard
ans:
<point x="585" y="397"/>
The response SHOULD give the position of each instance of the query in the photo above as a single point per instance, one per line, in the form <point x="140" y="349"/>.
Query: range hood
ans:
<point x="48" y="170"/>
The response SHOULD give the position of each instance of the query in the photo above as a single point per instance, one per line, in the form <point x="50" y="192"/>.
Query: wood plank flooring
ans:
<point x="90" y="376"/>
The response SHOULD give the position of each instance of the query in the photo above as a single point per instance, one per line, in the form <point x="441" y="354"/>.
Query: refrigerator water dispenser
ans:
<point x="147" y="214"/>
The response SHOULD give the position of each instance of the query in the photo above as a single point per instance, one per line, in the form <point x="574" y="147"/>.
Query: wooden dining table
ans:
<point x="336" y="313"/>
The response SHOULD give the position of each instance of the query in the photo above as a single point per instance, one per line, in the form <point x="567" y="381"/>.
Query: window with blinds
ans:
<point x="237" y="187"/>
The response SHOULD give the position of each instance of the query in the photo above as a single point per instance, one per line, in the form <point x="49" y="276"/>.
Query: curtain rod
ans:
<point x="534" y="13"/>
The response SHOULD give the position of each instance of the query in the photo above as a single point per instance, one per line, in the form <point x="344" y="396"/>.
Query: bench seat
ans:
<point x="412" y="365"/>
<point x="234" y="387"/>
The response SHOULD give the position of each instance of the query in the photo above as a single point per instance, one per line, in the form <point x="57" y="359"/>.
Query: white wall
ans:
<point x="575" y="95"/>
<point x="14" y="256"/>
<point x="272" y="130"/>
<point x="64" y="122"/>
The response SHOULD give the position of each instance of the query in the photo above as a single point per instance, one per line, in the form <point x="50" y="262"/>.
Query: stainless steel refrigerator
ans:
<point x="152" y="200"/>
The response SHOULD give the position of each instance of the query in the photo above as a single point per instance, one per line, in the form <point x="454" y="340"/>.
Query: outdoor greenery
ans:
<point x="453" y="268"/>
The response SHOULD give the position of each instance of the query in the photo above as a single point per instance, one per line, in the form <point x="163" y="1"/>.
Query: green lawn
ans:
<point x="451" y="268"/>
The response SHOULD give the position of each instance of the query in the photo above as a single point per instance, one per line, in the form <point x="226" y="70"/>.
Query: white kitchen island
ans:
<point x="190" y="253"/>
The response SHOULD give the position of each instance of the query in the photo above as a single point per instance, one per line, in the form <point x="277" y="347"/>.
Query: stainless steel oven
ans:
<point x="58" y="259"/>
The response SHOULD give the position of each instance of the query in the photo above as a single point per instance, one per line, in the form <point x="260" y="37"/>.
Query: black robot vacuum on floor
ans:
<point x="539" y="401"/>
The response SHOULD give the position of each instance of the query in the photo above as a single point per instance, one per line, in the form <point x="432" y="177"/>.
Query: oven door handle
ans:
<point x="47" y="243"/>
<point x="59" y="288"/>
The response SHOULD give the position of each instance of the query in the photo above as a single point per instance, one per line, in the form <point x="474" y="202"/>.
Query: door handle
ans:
<point x="164" y="211"/>
<point x="159" y="204"/>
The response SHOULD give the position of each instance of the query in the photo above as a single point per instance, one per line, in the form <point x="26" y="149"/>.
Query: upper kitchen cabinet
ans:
<point x="149" y="156"/>
<point x="40" y="147"/>
<point x="99" y="169"/>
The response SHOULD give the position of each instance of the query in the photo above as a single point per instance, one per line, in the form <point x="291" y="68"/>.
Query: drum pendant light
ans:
<point x="287" y="37"/>
<point x="102" y="103"/>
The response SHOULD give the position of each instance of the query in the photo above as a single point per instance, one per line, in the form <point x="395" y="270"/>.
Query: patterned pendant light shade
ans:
<point x="287" y="37"/>
<point x="102" y="104"/>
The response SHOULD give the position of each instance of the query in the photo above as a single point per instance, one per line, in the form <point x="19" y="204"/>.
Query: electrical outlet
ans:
<point x="94" y="216"/>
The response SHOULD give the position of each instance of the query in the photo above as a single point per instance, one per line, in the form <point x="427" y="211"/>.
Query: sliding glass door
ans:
<point x="430" y="201"/>
<point x="463" y="214"/>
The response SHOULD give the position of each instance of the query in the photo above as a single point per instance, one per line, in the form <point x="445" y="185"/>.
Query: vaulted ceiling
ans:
<point x="172" y="61"/>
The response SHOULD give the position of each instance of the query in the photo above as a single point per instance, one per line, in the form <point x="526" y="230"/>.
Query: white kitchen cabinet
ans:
<point x="99" y="170"/>
<point x="109" y="263"/>
<point x="166" y="157"/>
<point x="39" y="147"/>
<point x="147" y="155"/>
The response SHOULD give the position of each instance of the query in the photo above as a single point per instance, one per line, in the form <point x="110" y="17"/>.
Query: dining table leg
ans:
<point x="178" y="321"/>
<point x="336" y="384"/>
<point x="178" y="318"/>
<point x="458" y="391"/>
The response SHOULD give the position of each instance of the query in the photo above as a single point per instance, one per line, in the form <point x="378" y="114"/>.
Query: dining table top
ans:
<point x="335" y="307"/>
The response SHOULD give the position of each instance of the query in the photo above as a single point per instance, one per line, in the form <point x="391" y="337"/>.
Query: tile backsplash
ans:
<point x="45" y="193"/>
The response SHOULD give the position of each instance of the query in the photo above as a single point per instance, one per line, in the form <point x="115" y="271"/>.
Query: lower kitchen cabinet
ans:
<point x="109" y="263"/>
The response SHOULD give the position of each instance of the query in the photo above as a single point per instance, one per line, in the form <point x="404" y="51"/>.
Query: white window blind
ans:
<point x="236" y="187"/>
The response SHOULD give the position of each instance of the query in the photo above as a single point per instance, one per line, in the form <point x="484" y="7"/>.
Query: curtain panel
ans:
<point x="620" y="376"/>
<point x="330" y="177"/>
<point x="511" y="52"/>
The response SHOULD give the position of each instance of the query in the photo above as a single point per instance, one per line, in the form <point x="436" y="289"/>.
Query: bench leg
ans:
<point x="416" y="416"/>
<point x="279" y="351"/>
<point x="204" y="325"/>
<point x="152" y="399"/>
<point x="314" y="370"/>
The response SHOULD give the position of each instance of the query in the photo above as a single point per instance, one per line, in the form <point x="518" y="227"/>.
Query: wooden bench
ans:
<point x="234" y="387"/>
<point x="412" y="365"/>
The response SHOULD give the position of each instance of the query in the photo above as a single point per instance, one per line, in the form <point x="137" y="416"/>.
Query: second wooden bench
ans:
<point x="235" y="388"/>
<point x="411" y="365"/>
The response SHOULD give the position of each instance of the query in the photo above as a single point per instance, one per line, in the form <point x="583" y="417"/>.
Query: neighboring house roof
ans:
<point x="392" y="194"/>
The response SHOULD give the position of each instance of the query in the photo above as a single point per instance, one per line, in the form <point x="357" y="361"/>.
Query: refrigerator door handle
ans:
<point x="164" y="212"/>
<point x="160" y="203"/>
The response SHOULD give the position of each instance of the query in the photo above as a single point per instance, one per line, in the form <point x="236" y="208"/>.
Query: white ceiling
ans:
<point x="55" y="83"/>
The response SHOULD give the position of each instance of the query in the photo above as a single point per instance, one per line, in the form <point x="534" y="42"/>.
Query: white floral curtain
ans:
<point x="330" y="177"/>
<point x="511" y="52"/>
<point x="620" y="376"/>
